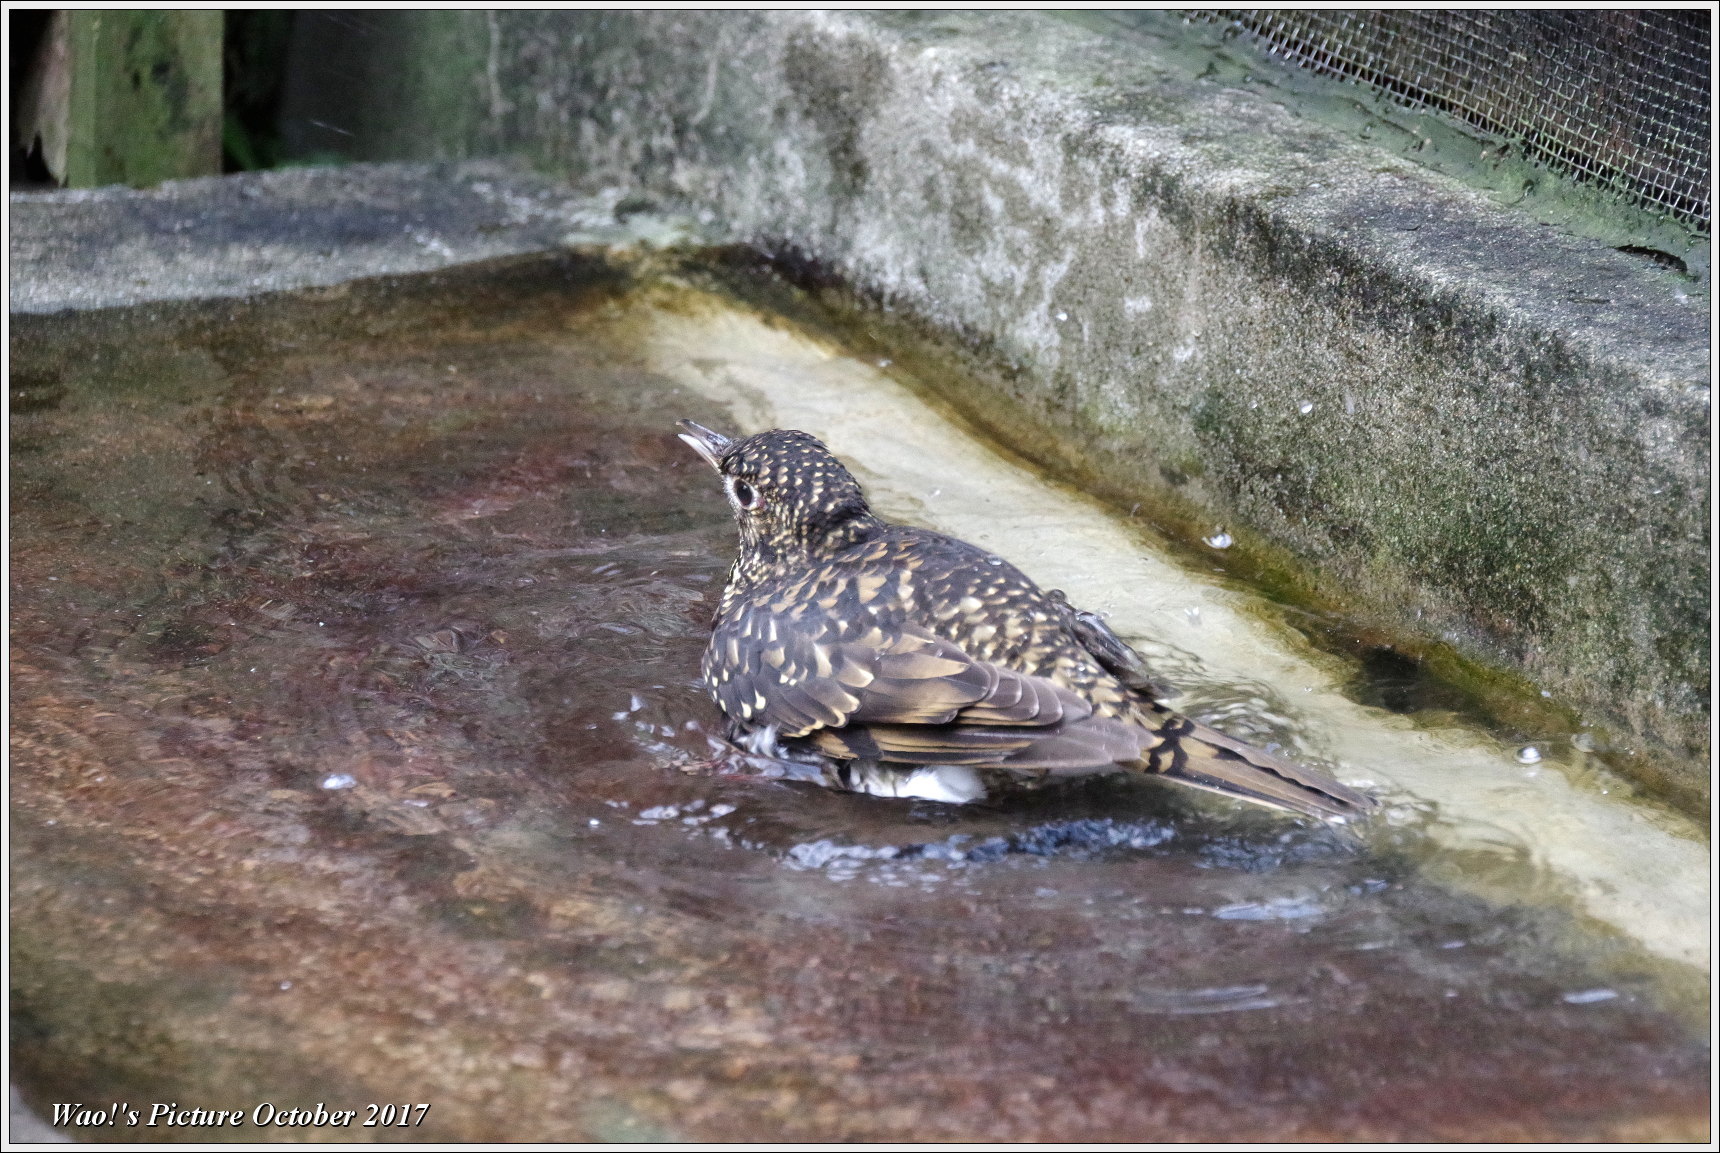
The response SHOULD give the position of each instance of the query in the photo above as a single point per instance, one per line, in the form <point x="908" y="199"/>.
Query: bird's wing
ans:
<point x="916" y="692"/>
<point x="1075" y="746"/>
<point x="858" y="688"/>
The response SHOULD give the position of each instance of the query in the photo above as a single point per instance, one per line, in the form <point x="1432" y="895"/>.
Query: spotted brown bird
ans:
<point x="899" y="661"/>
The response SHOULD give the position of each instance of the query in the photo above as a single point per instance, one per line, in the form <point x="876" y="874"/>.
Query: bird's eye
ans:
<point x="746" y="495"/>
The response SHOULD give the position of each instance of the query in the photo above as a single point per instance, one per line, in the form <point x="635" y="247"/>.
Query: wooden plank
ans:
<point x="144" y="97"/>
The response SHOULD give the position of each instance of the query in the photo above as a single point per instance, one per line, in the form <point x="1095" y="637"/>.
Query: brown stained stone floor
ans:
<point x="434" y="542"/>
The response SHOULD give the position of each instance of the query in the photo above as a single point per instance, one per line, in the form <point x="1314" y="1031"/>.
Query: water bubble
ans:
<point x="594" y="822"/>
<point x="1588" y="996"/>
<point x="339" y="781"/>
<point x="1273" y="909"/>
<point x="1220" y="539"/>
<point x="1528" y="755"/>
<point x="1305" y="407"/>
<point x="1062" y="316"/>
<point x="845" y="858"/>
<point x="285" y="985"/>
<point x="884" y="362"/>
<point x="994" y="560"/>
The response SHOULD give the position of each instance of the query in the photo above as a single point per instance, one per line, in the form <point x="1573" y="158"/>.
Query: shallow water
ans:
<point x="359" y="755"/>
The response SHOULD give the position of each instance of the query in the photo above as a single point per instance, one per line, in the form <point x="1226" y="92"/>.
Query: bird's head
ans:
<point x="793" y="500"/>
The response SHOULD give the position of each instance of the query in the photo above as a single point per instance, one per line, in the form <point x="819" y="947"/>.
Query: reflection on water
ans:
<point x="359" y="754"/>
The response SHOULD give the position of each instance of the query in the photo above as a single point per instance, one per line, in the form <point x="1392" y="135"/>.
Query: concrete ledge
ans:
<point x="264" y="232"/>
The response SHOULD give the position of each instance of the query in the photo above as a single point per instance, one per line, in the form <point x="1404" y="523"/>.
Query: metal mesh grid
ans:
<point x="1617" y="98"/>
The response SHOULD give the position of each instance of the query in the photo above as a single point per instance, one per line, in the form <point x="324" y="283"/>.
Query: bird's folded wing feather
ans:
<point x="896" y="692"/>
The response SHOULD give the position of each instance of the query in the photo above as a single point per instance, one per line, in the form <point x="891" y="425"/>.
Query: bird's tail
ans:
<point x="1207" y="759"/>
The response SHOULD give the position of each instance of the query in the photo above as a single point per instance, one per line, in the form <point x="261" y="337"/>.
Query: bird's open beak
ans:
<point x="708" y="444"/>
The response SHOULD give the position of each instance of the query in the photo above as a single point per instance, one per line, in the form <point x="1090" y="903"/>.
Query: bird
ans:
<point x="893" y="660"/>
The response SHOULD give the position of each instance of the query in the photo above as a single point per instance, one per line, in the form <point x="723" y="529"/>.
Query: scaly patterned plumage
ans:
<point x="900" y="661"/>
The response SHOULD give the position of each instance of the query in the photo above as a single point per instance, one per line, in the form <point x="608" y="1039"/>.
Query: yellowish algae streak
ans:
<point x="1644" y="874"/>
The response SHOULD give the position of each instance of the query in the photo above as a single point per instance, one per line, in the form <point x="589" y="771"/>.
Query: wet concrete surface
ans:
<point x="359" y="755"/>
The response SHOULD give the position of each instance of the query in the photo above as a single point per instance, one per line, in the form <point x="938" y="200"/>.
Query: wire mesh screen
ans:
<point x="1616" y="98"/>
